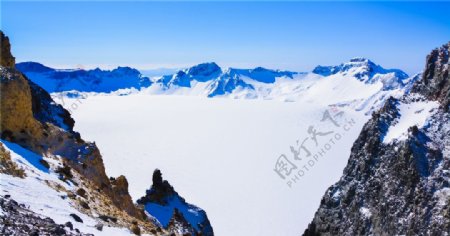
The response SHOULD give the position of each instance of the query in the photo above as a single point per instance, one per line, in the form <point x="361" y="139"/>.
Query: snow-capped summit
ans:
<point x="359" y="67"/>
<point x="260" y="74"/>
<point x="367" y="71"/>
<point x="210" y="79"/>
<point x="211" y="71"/>
<point x="204" y="71"/>
<point x="201" y="73"/>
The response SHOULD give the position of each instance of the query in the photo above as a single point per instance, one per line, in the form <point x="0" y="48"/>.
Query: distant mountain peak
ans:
<point x="361" y="68"/>
<point x="202" y="72"/>
<point x="224" y="80"/>
<point x="126" y="70"/>
<point x="260" y="74"/>
<point x="31" y="66"/>
<point x="204" y="68"/>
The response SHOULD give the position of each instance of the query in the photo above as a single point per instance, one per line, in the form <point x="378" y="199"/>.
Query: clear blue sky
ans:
<point x="289" y="35"/>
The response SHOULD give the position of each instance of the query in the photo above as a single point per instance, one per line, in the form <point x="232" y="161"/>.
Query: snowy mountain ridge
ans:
<point x="96" y="80"/>
<point x="359" y="83"/>
<point x="260" y="82"/>
<point x="367" y="71"/>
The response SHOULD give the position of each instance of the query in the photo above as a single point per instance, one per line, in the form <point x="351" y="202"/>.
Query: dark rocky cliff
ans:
<point x="400" y="187"/>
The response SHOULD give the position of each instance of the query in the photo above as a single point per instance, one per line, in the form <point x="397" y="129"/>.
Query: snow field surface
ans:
<point x="219" y="154"/>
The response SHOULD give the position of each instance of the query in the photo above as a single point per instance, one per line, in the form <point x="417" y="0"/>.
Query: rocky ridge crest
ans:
<point x="401" y="187"/>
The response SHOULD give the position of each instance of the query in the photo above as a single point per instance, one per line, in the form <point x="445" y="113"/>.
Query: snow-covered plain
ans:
<point x="220" y="153"/>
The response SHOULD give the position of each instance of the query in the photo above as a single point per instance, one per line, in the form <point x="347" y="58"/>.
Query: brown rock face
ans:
<point x="121" y="196"/>
<point x="16" y="117"/>
<point x="30" y="118"/>
<point x="44" y="110"/>
<point x="6" y="59"/>
<point x="19" y="124"/>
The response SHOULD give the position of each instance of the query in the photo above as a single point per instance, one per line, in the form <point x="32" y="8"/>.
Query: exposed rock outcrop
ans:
<point x="6" y="60"/>
<point x="435" y="84"/>
<point x="47" y="111"/>
<point x="179" y="224"/>
<point x="123" y="199"/>
<point x="401" y="187"/>
<point x="185" y="219"/>
<point x="16" y="219"/>
<point x="8" y="166"/>
<point x="160" y="191"/>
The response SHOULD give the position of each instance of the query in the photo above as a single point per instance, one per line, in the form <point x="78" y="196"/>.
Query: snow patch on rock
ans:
<point x="411" y="114"/>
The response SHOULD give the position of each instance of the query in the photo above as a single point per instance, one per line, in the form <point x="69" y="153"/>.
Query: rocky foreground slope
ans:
<point x="17" y="219"/>
<point x="39" y="135"/>
<point x="397" y="180"/>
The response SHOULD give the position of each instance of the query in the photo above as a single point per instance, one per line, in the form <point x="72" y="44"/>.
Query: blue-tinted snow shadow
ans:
<point x="30" y="156"/>
<point x="163" y="214"/>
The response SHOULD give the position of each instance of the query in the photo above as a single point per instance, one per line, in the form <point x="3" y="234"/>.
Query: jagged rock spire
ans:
<point x="435" y="82"/>
<point x="186" y="219"/>
<point x="160" y="191"/>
